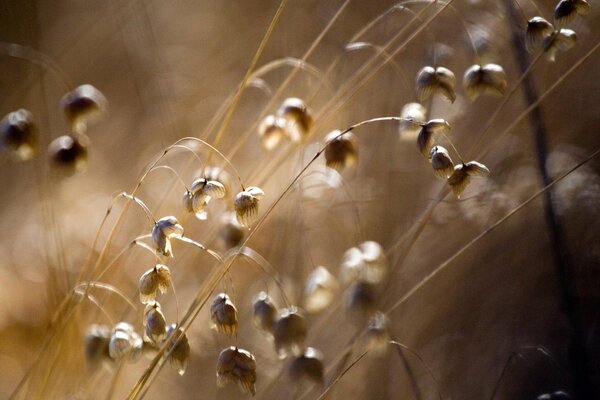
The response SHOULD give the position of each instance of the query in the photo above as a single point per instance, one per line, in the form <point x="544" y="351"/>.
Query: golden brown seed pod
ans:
<point x="298" y="118"/>
<point x="231" y="233"/>
<point x="246" y="205"/>
<point x="307" y="368"/>
<point x="341" y="151"/>
<point x="567" y="10"/>
<point x="223" y="315"/>
<point x="441" y="162"/>
<point x="377" y="336"/>
<point x="289" y="332"/>
<point x="367" y="262"/>
<point x="152" y="281"/>
<point x="238" y="366"/>
<point x="474" y="168"/>
<point x="487" y="79"/>
<point x="360" y="301"/>
<point x="264" y="312"/>
<point x="124" y="342"/>
<point x="96" y="343"/>
<point x="413" y="112"/>
<point x="271" y="131"/>
<point x="432" y="80"/>
<point x="179" y="348"/>
<point x="155" y="325"/>
<point x="460" y="178"/>
<point x="428" y="130"/>
<point x="538" y="30"/>
<point x="564" y="40"/>
<point x="69" y="154"/>
<point x="83" y="105"/>
<point x="200" y="194"/>
<point x="320" y="290"/>
<point x="163" y="231"/>
<point x="18" y="134"/>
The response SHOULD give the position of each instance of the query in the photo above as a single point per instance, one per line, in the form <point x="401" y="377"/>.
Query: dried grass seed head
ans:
<point x="246" y="205"/>
<point x="179" y="348"/>
<point x="264" y="312"/>
<point x="231" y="233"/>
<point x="320" y="291"/>
<point x="563" y="40"/>
<point x="69" y="154"/>
<point x="486" y="79"/>
<point x="538" y="30"/>
<point x="200" y="194"/>
<point x="155" y="325"/>
<point x="96" y="341"/>
<point x="341" y="151"/>
<point x="163" y="231"/>
<point x="238" y="366"/>
<point x="18" y="134"/>
<point x="271" y="131"/>
<point x="298" y="118"/>
<point x="83" y="105"/>
<point x="125" y="342"/>
<point x="438" y="80"/>
<point x="307" y="367"/>
<point x="377" y="336"/>
<point x="567" y="10"/>
<point x="289" y="332"/>
<point x="223" y="315"/>
<point x="427" y="132"/>
<point x="415" y="112"/>
<point x="152" y="281"/>
<point x="367" y="262"/>
<point x="462" y="174"/>
<point x="360" y="301"/>
<point x="442" y="164"/>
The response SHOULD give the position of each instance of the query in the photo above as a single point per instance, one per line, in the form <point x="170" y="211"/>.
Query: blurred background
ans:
<point x="167" y="68"/>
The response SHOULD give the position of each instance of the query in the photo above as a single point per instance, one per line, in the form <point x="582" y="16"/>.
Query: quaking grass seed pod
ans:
<point x="238" y="366"/>
<point x="223" y="315"/>
<point x="567" y="10"/>
<point x="83" y="105"/>
<point x="125" y="342"/>
<point x="416" y="113"/>
<point x="289" y="332"/>
<point x="538" y="30"/>
<point x="246" y="205"/>
<point x="320" y="290"/>
<point x="271" y="131"/>
<point x="298" y="118"/>
<point x="179" y="348"/>
<point x="441" y="162"/>
<point x="367" y="262"/>
<point x="462" y="174"/>
<point x="486" y="79"/>
<point x="427" y="132"/>
<point x="69" y="154"/>
<point x="307" y="368"/>
<point x="341" y="151"/>
<point x="155" y="325"/>
<point x="360" y="301"/>
<point x="563" y="40"/>
<point x="200" y="194"/>
<point x="438" y="80"/>
<point x="231" y="232"/>
<point x="157" y="279"/>
<point x="376" y="335"/>
<point x="18" y="135"/>
<point x="264" y="312"/>
<point x="96" y="343"/>
<point x="163" y="231"/>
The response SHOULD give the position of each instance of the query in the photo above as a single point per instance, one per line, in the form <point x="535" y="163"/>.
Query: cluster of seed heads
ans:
<point x="293" y="120"/>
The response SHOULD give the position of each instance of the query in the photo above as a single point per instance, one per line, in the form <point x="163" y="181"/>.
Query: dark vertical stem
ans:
<point x="582" y="386"/>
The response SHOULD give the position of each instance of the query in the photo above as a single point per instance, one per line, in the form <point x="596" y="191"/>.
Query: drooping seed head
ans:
<point x="271" y="131"/>
<point x="96" y="343"/>
<point x="462" y="174"/>
<point x="155" y="325"/>
<point x="179" y="348"/>
<point x="18" y="134"/>
<point x="567" y="10"/>
<point x="441" y="162"/>
<point x="83" y="105"/>
<point x="238" y="366"/>
<point x="377" y="336"/>
<point x="231" y="233"/>
<point x="427" y="132"/>
<point x="163" y="231"/>
<point x="486" y="79"/>
<point x="416" y="113"/>
<point x="307" y="368"/>
<point x="69" y="154"/>
<point x="564" y="40"/>
<point x="200" y="194"/>
<point x="360" y="301"/>
<point x="223" y="315"/>
<point x="320" y="290"/>
<point x="341" y="151"/>
<point x="246" y="205"/>
<point x="298" y="118"/>
<point x="152" y="281"/>
<point x="439" y="80"/>
<point x="289" y="332"/>
<point x="367" y="262"/>
<point x="264" y="312"/>
<point x="538" y="30"/>
<point x="124" y="342"/>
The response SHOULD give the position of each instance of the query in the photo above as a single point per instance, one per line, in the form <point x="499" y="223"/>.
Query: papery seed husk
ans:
<point x="538" y="30"/>
<point x="223" y="315"/>
<point x="307" y="367"/>
<point x="264" y="312"/>
<point x="271" y="131"/>
<point x="375" y="261"/>
<point x="155" y="325"/>
<point x="564" y="40"/>
<point x="487" y="79"/>
<point x="239" y="366"/>
<point x="351" y="265"/>
<point x="377" y="335"/>
<point x="69" y="154"/>
<point x="298" y="118"/>
<point x="18" y="134"/>
<point x="567" y="10"/>
<point x="246" y="205"/>
<point x="474" y="168"/>
<point x="96" y="344"/>
<point x="289" y="332"/>
<point x="439" y="80"/>
<point x="179" y="348"/>
<point x="459" y="180"/>
<point x="414" y="112"/>
<point x="119" y="344"/>
<point x="320" y="290"/>
<point x="341" y="151"/>
<point x="231" y="233"/>
<point x="425" y="138"/>
<point x="441" y="162"/>
<point x="82" y="105"/>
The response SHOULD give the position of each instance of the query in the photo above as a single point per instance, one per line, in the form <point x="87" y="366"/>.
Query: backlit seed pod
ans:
<point x="271" y="131"/>
<point x="152" y="281"/>
<point x="307" y="368"/>
<point x="124" y="341"/>
<point x="432" y="81"/>
<point x="223" y="315"/>
<point x="567" y="10"/>
<point x="264" y="312"/>
<point x="298" y="118"/>
<point x="430" y="128"/>
<point x="441" y="162"/>
<point x="155" y="325"/>
<point x="377" y="336"/>
<point x="460" y="178"/>
<point x="360" y="301"/>
<point x="413" y="112"/>
<point x="487" y="79"/>
<point x="200" y="194"/>
<point x="559" y="395"/>
<point x="238" y="366"/>
<point x="179" y="348"/>
<point x="18" y="134"/>
<point x="163" y="231"/>
<point x="289" y="332"/>
<point x="367" y="262"/>
<point x="320" y="291"/>
<point x="96" y="343"/>
<point x="69" y="153"/>
<point x="83" y="105"/>
<point x="341" y="151"/>
<point x="538" y="30"/>
<point x="246" y="205"/>
<point x="231" y="233"/>
<point x="564" y="40"/>
<point x="475" y="168"/>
